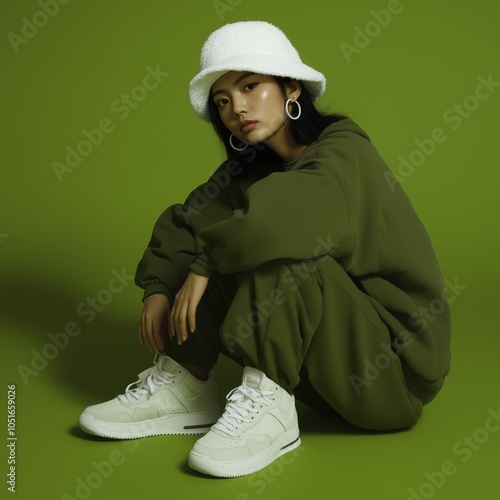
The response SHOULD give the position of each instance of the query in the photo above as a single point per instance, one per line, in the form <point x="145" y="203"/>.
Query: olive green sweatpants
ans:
<point x="313" y="331"/>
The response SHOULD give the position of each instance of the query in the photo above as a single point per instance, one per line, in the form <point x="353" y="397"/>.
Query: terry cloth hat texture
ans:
<point x="249" y="46"/>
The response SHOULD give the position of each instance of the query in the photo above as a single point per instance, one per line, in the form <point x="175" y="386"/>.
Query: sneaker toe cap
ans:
<point x="218" y="447"/>
<point x="110" y="411"/>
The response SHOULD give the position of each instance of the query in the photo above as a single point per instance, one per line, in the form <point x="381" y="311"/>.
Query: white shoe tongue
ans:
<point x="255" y="378"/>
<point x="167" y="364"/>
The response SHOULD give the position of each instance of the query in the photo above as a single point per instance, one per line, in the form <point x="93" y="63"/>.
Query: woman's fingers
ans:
<point x="153" y="323"/>
<point x="179" y="318"/>
<point x="182" y="320"/>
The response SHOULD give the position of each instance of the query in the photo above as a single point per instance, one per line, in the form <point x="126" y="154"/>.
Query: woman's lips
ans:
<point x="247" y="126"/>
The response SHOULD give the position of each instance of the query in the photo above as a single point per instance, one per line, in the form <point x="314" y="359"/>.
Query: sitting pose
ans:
<point x="301" y="258"/>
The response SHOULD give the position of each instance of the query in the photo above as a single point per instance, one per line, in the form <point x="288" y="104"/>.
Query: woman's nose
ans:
<point x="239" y="105"/>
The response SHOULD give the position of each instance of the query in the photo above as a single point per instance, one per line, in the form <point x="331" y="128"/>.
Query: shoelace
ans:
<point x="147" y="383"/>
<point x="241" y="403"/>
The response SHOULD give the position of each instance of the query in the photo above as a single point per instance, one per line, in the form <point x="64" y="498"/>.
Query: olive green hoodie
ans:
<point x="339" y="198"/>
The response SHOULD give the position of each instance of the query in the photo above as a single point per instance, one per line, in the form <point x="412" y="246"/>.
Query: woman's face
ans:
<point x="251" y="106"/>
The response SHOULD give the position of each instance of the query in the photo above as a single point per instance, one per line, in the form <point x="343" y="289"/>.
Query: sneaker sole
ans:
<point x="235" y="468"/>
<point x="185" y="423"/>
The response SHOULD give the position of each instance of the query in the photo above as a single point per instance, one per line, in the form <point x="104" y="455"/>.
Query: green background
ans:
<point x="60" y="240"/>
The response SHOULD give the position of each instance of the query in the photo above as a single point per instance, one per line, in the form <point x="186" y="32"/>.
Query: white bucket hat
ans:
<point x="249" y="46"/>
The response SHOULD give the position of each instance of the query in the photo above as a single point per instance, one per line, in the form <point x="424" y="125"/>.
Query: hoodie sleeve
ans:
<point x="171" y="250"/>
<point x="169" y="253"/>
<point x="298" y="214"/>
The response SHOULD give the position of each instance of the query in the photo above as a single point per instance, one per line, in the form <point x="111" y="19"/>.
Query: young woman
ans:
<point x="301" y="258"/>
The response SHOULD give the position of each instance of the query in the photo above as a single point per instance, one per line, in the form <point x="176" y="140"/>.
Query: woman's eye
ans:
<point x="222" y="102"/>
<point x="250" y="86"/>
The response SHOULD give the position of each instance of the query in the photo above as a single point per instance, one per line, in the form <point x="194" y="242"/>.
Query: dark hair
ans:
<point x="303" y="131"/>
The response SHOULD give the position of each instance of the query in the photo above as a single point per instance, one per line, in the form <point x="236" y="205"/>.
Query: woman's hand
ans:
<point x="183" y="314"/>
<point x="154" y="322"/>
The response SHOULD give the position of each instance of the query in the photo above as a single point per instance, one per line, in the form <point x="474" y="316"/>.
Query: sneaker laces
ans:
<point x="149" y="381"/>
<point x="241" y="403"/>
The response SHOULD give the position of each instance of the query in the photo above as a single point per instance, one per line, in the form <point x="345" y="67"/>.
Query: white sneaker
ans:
<point x="167" y="399"/>
<point x="259" y="424"/>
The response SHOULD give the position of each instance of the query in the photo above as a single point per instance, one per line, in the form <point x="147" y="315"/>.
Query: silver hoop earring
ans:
<point x="288" y="112"/>
<point x="233" y="146"/>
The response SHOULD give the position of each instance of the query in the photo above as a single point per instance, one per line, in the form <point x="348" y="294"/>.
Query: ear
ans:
<point x="294" y="89"/>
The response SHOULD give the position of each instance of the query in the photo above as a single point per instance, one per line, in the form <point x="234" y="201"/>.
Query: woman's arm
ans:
<point x="298" y="214"/>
